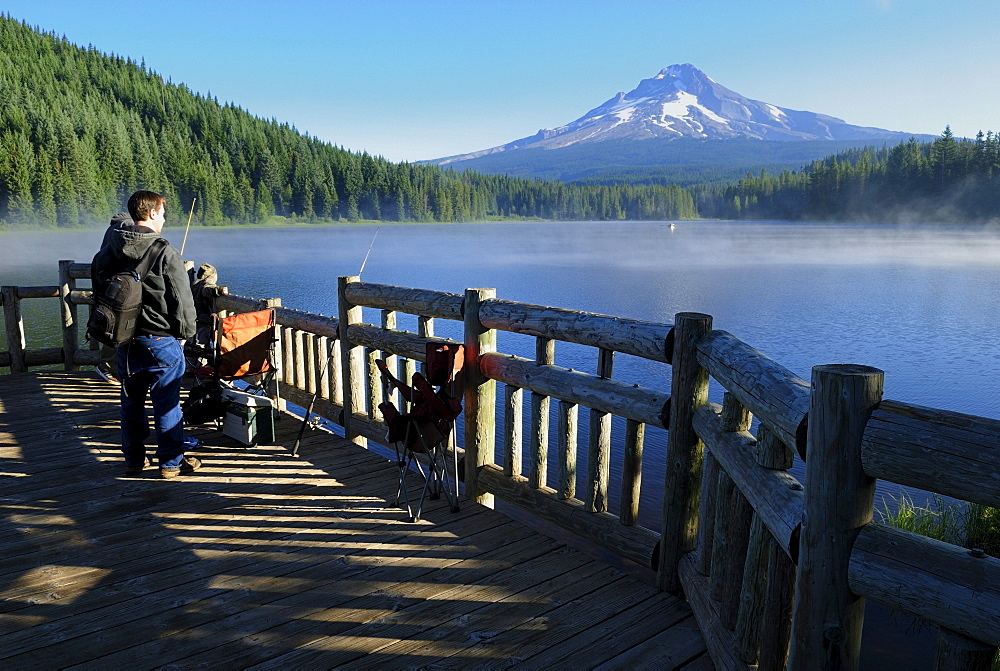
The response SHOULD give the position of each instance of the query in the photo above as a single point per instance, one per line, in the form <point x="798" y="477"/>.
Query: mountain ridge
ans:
<point x="682" y="102"/>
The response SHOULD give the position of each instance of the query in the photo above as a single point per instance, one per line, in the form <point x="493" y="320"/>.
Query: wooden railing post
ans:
<point x="688" y="390"/>
<point x="321" y="344"/>
<point x="480" y="397"/>
<point x="425" y="329"/>
<point x="512" y="424"/>
<point x="599" y="444"/>
<point x="299" y="358"/>
<point x="568" y="423"/>
<point x="15" y="329"/>
<point x="776" y="622"/>
<point x="757" y="612"/>
<point x="635" y="433"/>
<point x="307" y="357"/>
<point x="770" y="453"/>
<point x="706" y="512"/>
<point x="545" y="351"/>
<point x="733" y="519"/>
<point x="827" y="617"/>
<point x="69" y="323"/>
<point x="352" y="361"/>
<point x="287" y="356"/>
<point x="373" y="382"/>
<point x="389" y="323"/>
<point x="336" y="376"/>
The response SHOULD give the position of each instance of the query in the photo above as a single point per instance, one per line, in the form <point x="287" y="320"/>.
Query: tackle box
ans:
<point x="249" y="418"/>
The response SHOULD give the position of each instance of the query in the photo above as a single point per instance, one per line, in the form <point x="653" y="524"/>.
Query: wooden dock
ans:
<point x="262" y="559"/>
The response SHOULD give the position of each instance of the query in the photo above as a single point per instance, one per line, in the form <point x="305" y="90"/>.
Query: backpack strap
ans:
<point x="147" y="260"/>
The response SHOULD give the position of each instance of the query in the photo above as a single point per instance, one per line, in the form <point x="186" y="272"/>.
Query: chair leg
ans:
<point x="437" y="476"/>
<point x="405" y="460"/>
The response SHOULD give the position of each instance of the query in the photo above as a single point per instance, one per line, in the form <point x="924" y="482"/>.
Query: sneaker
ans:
<point x="137" y="470"/>
<point x="104" y="370"/>
<point x="188" y="466"/>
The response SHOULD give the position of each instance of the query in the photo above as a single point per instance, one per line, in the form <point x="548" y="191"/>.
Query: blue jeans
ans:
<point x="152" y="366"/>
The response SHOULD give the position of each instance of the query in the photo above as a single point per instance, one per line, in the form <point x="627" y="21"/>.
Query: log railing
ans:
<point x="776" y="570"/>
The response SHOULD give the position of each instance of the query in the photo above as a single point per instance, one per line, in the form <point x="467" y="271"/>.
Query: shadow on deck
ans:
<point x="264" y="559"/>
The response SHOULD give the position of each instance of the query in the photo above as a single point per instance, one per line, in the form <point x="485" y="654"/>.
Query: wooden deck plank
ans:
<point x="668" y="650"/>
<point x="509" y="646"/>
<point x="625" y="629"/>
<point x="94" y="519"/>
<point x="265" y="559"/>
<point x="442" y="610"/>
<point x="237" y="613"/>
<point x="228" y="605"/>
<point x="381" y="604"/>
<point x="520" y="604"/>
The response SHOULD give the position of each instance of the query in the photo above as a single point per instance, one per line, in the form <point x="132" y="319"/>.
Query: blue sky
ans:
<point x="425" y="79"/>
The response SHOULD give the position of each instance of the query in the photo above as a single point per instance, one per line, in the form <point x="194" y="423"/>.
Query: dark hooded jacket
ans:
<point x="167" y="305"/>
<point x="117" y="221"/>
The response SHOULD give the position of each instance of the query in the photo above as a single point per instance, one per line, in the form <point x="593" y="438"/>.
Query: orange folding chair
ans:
<point x="245" y="348"/>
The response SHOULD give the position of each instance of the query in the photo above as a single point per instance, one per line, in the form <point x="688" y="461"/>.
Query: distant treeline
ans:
<point x="659" y="161"/>
<point x="944" y="180"/>
<point x="80" y="130"/>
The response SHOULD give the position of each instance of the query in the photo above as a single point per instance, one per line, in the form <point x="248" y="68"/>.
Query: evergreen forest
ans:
<point x="948" y="179"/>
<point x="80" y="130"/>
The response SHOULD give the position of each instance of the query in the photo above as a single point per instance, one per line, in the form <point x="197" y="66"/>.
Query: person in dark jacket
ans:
<point x="205" y="290"/>
<point x="152" y="363"/>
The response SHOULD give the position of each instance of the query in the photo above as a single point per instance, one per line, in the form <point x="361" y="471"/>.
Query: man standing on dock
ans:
<point x="152" y="363"/>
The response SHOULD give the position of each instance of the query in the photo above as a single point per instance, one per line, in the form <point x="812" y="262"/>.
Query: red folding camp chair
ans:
<point x="423" y="434"/>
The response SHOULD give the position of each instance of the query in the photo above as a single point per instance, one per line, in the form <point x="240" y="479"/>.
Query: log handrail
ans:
<point x="771" y="392"/>
<point x="942" y="451"/>
<point x="629" y="336"/>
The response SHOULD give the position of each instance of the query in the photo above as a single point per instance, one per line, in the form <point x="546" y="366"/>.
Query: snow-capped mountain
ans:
<point x="681" y="101"/>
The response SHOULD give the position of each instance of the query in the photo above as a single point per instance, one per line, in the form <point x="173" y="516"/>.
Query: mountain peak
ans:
<point x="680" y="71"/>
<point x="681" y="101"/>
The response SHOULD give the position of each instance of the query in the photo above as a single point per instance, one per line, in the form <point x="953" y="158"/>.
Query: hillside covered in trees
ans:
<point x="945" y="180"/>
<point x="80" y="130"/>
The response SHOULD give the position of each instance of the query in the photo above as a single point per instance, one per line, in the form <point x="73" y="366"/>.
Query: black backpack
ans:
<point x="118" y="300"/>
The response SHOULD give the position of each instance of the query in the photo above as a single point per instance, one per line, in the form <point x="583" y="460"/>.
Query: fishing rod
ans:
<point x="326" y="364"/>
<point x="188" y="228"/>
<point x="368" y="252"/>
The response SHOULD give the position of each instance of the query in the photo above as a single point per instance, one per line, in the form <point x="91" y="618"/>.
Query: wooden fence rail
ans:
<point x="776" y="570"/>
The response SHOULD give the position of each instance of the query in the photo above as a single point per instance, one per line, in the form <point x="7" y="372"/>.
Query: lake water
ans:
<point x="920" y="303"/>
